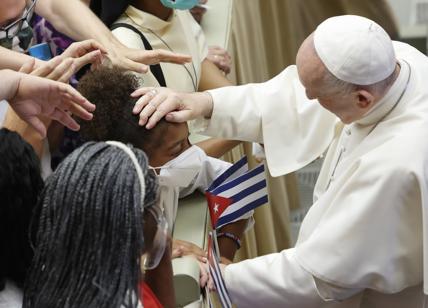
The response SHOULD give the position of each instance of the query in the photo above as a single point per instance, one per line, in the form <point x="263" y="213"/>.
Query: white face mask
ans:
<point x="189" y="171"/>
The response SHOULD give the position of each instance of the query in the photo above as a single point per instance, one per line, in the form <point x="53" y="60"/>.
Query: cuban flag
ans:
<point x="236" y="192"/>
<point x="215" y="272"/>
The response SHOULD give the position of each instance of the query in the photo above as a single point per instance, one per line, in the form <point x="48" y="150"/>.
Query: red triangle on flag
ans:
<point x="216" y="205"/>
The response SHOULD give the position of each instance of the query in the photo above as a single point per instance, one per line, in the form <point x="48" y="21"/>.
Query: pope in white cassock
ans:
<point x="363" y="100"/>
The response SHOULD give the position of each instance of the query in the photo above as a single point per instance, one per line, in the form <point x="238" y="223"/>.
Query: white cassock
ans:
<point x="361" y="243"/>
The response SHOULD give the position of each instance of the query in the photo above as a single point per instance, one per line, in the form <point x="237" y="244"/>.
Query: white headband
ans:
<point x="137" y="166"/>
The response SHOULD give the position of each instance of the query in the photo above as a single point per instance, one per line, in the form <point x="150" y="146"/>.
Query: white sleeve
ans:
<point x="277" y="113"/>
<point x="275" y="280"/>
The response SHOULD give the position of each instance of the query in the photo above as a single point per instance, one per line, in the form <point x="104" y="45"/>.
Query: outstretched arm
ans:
<point x="75" y="19"/>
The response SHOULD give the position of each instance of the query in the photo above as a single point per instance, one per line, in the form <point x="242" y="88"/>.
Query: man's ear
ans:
<point x="365" y="99"/>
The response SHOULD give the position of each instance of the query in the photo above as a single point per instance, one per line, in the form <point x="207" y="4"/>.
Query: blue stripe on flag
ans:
<point x="224" y="220"/>
<point x="228" y="173"/>
<point x="221" y="290"/>
<point x="241" y="179"/>
<point x="248" y="191"/>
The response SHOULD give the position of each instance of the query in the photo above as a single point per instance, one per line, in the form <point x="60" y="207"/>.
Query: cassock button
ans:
<point x="348" y="131"/>
<point x="342" y="149"/>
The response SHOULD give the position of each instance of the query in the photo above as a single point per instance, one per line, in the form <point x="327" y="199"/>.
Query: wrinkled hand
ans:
<point x="207" y="278"/>
<point x="156" y="103"/>
<point x="137" y="60"/>
<point x="183" y="248"/>
<point x="220" y="57"/>
<point x="198" y="11"/>
<point x="36" y="96"/>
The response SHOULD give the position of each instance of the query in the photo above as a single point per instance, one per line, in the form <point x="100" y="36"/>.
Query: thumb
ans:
<point x="179" y="116"/>
<point x="28" y="66"/>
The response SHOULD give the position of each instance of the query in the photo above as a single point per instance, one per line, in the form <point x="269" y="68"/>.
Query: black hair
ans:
<point x="90" y="231"/>
<point x="110" y="89"/>
<point x="109" y="11"/>
<point x="20" y="185"/>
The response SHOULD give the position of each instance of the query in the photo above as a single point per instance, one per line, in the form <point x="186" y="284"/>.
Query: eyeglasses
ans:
<point x="151" y="258"/>
<point x="13" y="29"/>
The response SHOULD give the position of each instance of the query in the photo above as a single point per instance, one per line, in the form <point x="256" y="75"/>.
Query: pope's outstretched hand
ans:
<point x="157" y="103"/>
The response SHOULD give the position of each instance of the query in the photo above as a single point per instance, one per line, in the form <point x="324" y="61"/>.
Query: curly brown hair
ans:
<point x="109" y="89"/>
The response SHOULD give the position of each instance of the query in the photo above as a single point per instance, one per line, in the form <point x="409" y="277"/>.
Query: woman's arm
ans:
<point x="75" y="19"/>
<point x="212" y="78"/>
<point x="160" y="279"/>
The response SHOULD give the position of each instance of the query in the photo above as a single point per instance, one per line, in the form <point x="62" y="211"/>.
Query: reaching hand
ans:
<point x="137" y="60"/>
<point x="183" y="248"/>
<point x="156" y="103"/>
<point x="35" y="96"/>
<point x="220" y="57"/>
<point x="61" y="68"/>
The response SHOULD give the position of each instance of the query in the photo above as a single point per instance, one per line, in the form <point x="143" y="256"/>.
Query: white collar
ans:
<point x="391" y="98"/>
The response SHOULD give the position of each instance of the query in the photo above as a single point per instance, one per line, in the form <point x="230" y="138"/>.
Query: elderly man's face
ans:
<point x="11" y="10"/>
<point x="311" y="73"/>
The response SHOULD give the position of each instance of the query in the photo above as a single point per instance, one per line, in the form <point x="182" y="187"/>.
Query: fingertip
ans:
<point x="141" y="122"/>
<point x="143" y="69"/>
<point x="90" y="107"/>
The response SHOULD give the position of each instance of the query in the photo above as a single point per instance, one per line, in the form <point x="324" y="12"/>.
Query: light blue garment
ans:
<point x="180" y="4"/>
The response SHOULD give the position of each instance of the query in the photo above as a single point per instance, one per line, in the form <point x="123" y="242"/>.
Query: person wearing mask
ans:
<point x="96" y="218"/>
<point x="16" y="34"/>
<point x="360" y="98"/>
<point x="182" y="168"/>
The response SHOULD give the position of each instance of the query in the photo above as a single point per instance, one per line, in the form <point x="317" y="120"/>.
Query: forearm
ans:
<point x="217" y="147"/>
<point x="160" y="280"/>
<point x="13" y="60"/>
<point x="227" y="246"/>
<point x="277" y="279"/>
<point x="9" y="84"/>
<point x="80" y="25"/>
<point x="212" y="77"/>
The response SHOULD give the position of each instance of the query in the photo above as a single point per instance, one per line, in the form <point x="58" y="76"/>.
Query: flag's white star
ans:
<point x="216" y="205"/>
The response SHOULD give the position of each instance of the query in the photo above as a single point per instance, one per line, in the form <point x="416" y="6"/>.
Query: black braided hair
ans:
<point x="90" y="231"/>
<point x="20" y="185"/>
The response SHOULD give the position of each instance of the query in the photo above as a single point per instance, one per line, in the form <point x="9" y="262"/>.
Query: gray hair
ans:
<point x="333" y="85"/>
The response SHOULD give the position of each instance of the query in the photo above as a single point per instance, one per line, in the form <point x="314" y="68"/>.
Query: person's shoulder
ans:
<point x="407" y="52"/>
<point x="403" y="154"/>
<point x="127" y="33"/>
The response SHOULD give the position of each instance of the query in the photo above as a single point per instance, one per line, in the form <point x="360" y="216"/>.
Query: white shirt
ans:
<point x="362" y="241"/>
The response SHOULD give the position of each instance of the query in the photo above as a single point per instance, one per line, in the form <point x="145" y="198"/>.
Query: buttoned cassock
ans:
<point x="361" y="243"/>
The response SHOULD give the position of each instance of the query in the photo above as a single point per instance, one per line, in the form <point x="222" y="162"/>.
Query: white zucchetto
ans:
<point x="355" y="49"/>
